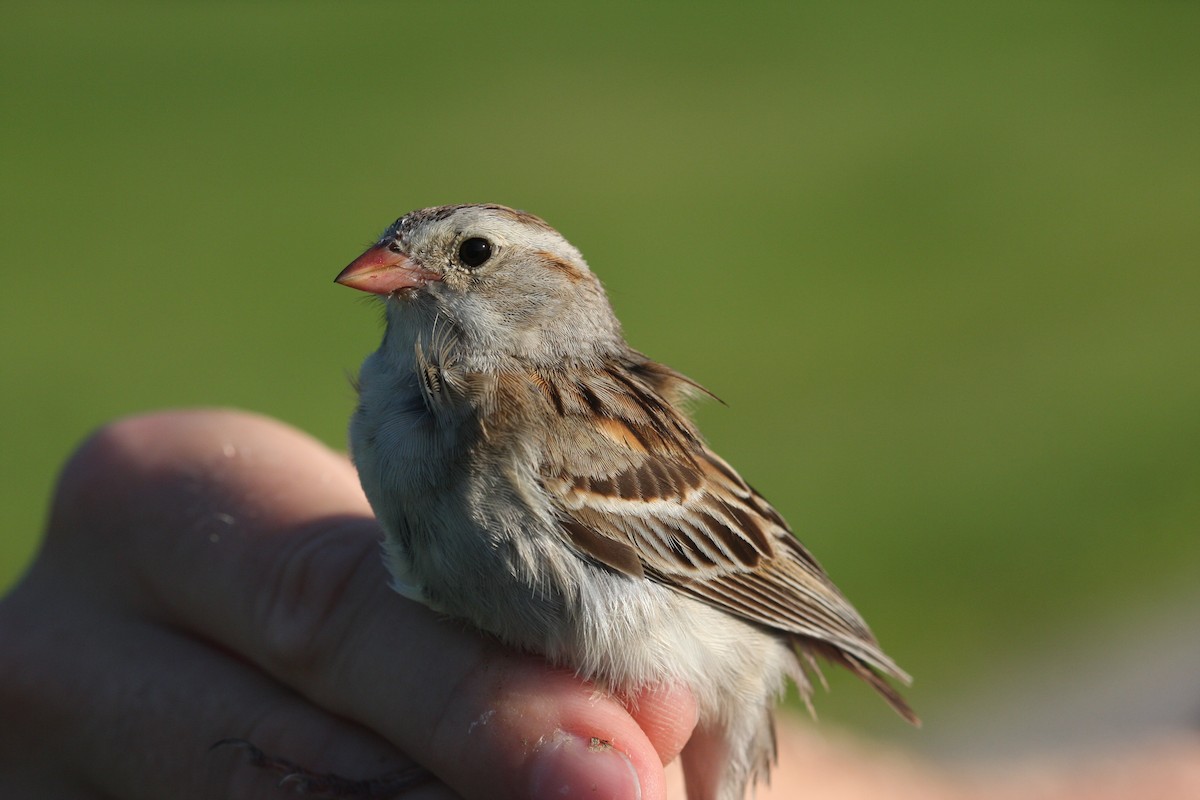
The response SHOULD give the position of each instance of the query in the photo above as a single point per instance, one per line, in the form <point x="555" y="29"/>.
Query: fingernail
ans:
<point x="569" y="767"/>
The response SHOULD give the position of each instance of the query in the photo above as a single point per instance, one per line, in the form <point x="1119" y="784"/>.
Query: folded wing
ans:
<point x="645" y="496"/>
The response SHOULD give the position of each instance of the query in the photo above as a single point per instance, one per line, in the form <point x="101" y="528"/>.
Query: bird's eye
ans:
<point x="474" y="251"/>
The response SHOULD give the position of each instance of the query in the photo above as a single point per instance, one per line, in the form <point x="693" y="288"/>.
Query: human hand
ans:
<point x="215" y="574"/>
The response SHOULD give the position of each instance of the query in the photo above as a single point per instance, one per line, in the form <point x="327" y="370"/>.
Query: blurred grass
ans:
<point x="940" y="260"/>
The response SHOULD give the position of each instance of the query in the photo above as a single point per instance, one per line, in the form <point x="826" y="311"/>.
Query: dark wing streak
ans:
<point x="730" y="548"/>
<point x="605" y="549"/>
<point x="673" y="431"/>
<point x="549" y="391"/>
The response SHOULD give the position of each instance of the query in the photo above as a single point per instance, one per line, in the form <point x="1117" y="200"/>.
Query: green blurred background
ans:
<point x="940" y="261"/>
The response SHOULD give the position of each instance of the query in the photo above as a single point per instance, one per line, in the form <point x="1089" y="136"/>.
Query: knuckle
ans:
<point x="88" y="480"/>
<point x="312" y="594"/>
<point x="111" y="469"/>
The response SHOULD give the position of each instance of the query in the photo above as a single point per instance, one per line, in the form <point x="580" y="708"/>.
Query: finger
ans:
<point x="668" y="715"/>
<point x="121" y="707"/>
<point x="151" y="494"/>
<point x="285" y="570"/>
<point x="133" y="709"/>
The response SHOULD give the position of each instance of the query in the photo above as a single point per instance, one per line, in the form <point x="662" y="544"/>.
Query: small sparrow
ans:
<point x="538" y="478"/>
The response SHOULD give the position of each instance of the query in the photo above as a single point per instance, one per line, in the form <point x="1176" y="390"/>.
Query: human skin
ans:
<point x="215" y="574"/>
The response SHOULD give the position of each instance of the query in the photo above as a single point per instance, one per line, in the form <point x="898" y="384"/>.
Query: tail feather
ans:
<point x="869" y="674"/>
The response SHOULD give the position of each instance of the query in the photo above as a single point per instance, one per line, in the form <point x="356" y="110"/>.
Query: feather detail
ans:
<point x="869" y="674"/>
<point x="653" y="492"/>
<point x="437" y="372"/>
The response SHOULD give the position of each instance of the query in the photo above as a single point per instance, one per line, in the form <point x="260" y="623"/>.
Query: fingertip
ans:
<point x="506" y="725"/>
<point x="621" y="746"/>
<point x="570" y="766"/>
<point x="667" y="714"/>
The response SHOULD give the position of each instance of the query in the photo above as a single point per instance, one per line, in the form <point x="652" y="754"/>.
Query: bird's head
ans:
<point x="509" y="286"/>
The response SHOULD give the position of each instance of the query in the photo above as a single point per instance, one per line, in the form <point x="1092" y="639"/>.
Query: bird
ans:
<point x="538" y="478"/>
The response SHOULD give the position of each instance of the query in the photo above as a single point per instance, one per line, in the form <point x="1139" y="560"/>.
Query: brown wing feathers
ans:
<point x="719" y="541"/>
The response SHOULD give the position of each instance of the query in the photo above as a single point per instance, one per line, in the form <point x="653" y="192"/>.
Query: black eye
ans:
<point x="474" y="251"/>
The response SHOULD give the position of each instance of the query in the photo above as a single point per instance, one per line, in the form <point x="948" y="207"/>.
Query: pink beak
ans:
<point x="382" y="271"/>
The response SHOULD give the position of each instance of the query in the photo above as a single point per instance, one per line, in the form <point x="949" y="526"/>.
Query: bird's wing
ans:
<point x="639" y="491"/>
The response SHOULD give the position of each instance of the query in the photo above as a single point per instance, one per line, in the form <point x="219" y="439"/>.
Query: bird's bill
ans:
<point x="382" y="271"/>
